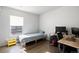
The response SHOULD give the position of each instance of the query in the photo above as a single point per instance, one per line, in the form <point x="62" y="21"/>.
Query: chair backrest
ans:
<point x="59" y="35"/>
<point x="61" y="29"/>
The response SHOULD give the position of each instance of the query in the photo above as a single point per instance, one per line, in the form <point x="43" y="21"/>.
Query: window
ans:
<point x="16" y="24"/>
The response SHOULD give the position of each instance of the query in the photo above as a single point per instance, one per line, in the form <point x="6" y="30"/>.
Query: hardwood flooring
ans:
<point x="41" y="47"/>
<point x="13" y="49"/>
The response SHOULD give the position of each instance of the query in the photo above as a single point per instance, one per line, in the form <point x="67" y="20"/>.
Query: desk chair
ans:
<point x="60" y="36"/>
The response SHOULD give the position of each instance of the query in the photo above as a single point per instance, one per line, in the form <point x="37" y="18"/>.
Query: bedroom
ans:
<point x="42" y="19"/>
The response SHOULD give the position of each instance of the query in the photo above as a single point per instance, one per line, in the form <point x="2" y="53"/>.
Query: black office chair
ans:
<point x="60" y="36"/>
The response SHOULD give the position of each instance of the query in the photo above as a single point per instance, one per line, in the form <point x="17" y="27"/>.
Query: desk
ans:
<point x="69" y="43"/>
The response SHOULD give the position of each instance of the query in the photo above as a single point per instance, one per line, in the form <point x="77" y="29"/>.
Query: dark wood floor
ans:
<point x="39" y="47"/>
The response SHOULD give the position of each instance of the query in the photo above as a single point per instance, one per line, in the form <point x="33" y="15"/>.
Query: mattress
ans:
<point x="30" y="37"/>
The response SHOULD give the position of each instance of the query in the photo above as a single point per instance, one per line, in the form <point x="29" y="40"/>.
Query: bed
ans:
<point x="30" y="37"/>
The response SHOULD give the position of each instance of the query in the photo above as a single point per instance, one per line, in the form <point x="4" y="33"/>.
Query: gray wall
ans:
<point x="64" y="16"/>
<point x="30" y="22"/>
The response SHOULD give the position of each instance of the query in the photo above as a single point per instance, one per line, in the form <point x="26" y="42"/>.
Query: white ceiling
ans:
<point x="35" y="9"/>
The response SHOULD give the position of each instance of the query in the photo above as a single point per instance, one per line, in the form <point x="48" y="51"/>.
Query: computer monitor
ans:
<point x="75" y="31"/>
<point x="60" y="29"/>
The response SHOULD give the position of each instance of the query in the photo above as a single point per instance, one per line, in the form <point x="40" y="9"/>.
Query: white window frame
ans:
<point x="16" y="23"/>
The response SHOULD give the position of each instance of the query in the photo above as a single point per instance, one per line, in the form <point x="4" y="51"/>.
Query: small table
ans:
<point x="74" y="44"/>
<point x="11" y="41"/>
